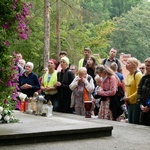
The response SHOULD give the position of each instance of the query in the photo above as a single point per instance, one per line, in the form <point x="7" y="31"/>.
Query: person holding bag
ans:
<point x="109" y="84"/>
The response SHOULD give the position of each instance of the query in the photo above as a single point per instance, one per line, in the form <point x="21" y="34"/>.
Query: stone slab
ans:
<point x="59" y="127"/>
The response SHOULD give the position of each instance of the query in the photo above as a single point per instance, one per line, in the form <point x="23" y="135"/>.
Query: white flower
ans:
<point x="7" y="118"/>
<point x="11" y="117"/>
<point x="5" y="111"/>
<point x="1" y="109"/>
<point x="0" y="117"/>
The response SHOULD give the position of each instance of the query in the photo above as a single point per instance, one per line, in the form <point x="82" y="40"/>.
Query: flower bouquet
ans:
<point x="7" y="115"/>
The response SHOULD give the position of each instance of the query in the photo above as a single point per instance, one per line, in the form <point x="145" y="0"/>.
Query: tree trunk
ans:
<point x="46" y="32"/>
<point x="58" y="27"/>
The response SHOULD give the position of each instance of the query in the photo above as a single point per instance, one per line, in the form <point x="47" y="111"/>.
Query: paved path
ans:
<point x="124" y="137"/>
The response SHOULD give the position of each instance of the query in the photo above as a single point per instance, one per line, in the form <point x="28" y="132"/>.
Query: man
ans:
<point x="74" y="69"/>
<point x="142" y="68"/>
<point x="19" y="58"/>
<point x="111" y="59"/>
<point x="83" y="61"/>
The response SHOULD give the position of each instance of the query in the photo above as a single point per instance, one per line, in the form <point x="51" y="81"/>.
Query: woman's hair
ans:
<point x="107" y="70"/>
<point x="93" y="65"/>
<point x="134" y="61"/>
<point x="30" y="64"/>
<point x="82" y="70"/>
<point x="104" y="68"/>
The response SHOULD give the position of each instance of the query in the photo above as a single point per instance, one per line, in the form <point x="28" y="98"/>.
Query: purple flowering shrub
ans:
<point x="9" y="90"/>
<point x="14" y="24"/>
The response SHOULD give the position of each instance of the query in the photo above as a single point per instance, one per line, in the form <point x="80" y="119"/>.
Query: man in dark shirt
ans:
<point x="111" y="59"/>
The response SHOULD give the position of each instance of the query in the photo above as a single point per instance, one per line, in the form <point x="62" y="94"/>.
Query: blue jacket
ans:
<point x="32" y="79"/>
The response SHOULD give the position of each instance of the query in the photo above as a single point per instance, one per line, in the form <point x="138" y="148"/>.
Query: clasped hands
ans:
<point x="26" y="86"/>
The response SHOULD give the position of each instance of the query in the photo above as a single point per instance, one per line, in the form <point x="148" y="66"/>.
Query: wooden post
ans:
<point x="46" y="32"/>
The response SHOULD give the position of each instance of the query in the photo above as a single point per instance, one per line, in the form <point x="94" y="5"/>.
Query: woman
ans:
<point x="64" y="78"/>
<point x="131" y="85"/>
<point x="109" y="106"/>
<point x="90" y="66"/>
<point x="80" y="83"/>
<point x="144" y="95"/>
<point x="47" y="84"/>
<point x="28" y="82"/>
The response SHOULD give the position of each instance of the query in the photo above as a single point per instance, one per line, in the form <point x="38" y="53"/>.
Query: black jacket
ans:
<point x="64" y="92"/>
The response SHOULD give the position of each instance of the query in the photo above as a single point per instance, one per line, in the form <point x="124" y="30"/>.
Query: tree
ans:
<point x="46" y="31"/>
<point x="132" y="32"/>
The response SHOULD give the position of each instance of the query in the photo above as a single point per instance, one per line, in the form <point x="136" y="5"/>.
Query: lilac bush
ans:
<point x="14" y="24"/>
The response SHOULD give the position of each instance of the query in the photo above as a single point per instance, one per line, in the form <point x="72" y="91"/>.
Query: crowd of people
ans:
<point x="68" y="86"/>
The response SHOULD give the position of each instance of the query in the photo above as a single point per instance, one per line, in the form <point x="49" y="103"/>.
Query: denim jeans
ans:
<point x="54" y="100"/>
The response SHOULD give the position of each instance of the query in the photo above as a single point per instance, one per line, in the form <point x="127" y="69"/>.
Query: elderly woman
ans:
<point x="144" y="95"/>
<point x="109" y="107"/>
<point x="64" y="78"/>
<point x="131" y="86"/>
<point x="28" y="82"/>
<point x="80" y="83"/>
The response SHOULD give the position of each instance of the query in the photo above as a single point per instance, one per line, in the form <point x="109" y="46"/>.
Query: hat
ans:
<point x="66" y="59"/>
<point x="54" y="61"/>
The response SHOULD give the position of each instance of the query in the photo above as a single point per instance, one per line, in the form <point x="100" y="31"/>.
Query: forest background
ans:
<point x="97" y="24"/>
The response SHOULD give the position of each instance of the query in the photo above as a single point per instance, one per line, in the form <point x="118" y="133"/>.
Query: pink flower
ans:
<point x="5" y="101"/>
<point x="25" y="11"/>
<point x="31" y="5"/>
<point x="13" y="6"/>
<point x="6" y="43"/>
<point x="9" y="83"/>
<point x="6" y="26"/>
<point x="23" y="36"/>
<point x="21" y="25"/>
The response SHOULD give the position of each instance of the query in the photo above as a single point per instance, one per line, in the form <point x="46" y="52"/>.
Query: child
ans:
<point x="96" y="97"/>
<point x="82" y="87"/>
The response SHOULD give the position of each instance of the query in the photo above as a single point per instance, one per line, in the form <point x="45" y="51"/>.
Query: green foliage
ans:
<point x="83" y="23"/>
<point x="96" y="10"/>
<point x="132" y="32"/>
<point x="121" y="6"/>
<point x="13" y="26"/>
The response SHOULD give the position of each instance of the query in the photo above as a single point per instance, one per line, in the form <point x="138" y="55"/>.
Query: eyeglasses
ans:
<point x="141" y="68"/>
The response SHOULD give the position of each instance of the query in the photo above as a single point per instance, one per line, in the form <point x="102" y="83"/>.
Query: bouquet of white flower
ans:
<point x="7" y="116"/>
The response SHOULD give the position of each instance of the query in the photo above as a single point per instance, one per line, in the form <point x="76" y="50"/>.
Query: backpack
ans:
<point x="116" y="61"/>
<point x="120" y="94"/>
<point x="89" y="78"/>
<point x="135" y="73"/>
